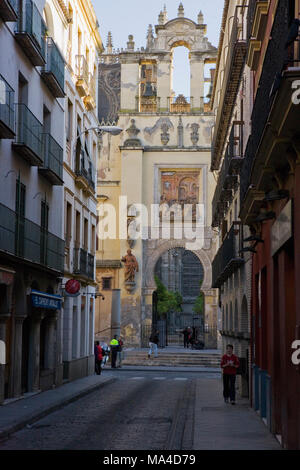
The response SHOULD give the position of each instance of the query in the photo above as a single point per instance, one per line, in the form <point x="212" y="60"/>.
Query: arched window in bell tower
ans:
<point x="180" y="80"/>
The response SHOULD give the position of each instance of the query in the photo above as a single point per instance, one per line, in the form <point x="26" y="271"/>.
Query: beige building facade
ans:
<point x="231" y="102"/>
<point x="162" y="157"/>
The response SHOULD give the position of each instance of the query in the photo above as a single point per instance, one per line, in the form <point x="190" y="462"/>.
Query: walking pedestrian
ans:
<point x="229" y="364"/>
<point x="98" y="357"/>
<point x="114" y="346"/>
<point x="153" y="343"/>
<point x="120" y="352"/>
<point x="185" y="333"/>
<point x="190" y="337"/>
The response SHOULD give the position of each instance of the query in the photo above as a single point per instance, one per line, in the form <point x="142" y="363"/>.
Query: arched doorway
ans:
<point x="181" y="273"/>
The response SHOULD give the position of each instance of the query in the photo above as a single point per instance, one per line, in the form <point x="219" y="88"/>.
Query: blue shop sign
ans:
<point x="43" y="300"/>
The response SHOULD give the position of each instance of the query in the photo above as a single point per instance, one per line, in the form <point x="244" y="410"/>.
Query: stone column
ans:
<point x="34" y="355"/>
<point x="16" y="390"/>
<point x="164" y="83"/>
<point x="116" y="312"/>
<point x="197" y="82"/>
<point x="67" y="329"/>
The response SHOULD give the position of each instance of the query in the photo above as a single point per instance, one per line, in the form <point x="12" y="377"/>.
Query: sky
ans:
<point x="124" y="17"/>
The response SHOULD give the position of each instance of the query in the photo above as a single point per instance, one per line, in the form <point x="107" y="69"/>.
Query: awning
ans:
<point x="44" y="300"/>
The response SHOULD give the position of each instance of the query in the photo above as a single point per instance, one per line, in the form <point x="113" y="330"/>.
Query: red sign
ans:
<point x="73" y="288"/>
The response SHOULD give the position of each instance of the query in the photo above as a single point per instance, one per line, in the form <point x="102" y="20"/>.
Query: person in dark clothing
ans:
<point x="98" y="358"/>
<point x="185" y="333"/>
<point x="190" y="337"/>
<point x="153" y="343"/>
<point x="229" y="363"/>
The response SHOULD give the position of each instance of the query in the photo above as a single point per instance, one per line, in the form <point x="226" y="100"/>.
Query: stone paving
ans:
<point x="216" y="425"/>
<point x="221" y="426"/>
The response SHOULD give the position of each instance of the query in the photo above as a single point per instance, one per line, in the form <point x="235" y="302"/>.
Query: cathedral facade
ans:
<point x="162" y="158"/>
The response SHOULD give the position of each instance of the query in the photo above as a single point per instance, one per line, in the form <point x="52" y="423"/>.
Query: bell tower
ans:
<point x="162" y="157"/>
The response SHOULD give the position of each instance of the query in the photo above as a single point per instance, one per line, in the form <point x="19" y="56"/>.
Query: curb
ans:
<point x="200" y="370"/>
<point x="36" y="416"/>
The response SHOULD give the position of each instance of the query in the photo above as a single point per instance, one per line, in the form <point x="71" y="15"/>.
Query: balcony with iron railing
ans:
<point x="9" y="10"/>
<point x="85" y="173"/>
<point x="235" y="61"/>
<point x="30" y="32"/>
<point x="53" y="160"/>
<point x="228" y="258"/>
<point x="228" y="178"/>
<point x="83" y="77"/>
<point x="84" y="263"/>
<point x="272" y="106"/>
<point x="7" y="111"/>
<point x="28" y="141"/>
<point x="28" y="241"/>
<point x="53" y="73"/>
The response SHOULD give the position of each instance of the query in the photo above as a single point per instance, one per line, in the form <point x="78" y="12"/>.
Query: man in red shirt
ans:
<point x="230" y="363"/>
<point x="98" y="358"/>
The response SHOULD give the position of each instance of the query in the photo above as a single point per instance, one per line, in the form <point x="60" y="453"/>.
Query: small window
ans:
<point x="106" y="283"/>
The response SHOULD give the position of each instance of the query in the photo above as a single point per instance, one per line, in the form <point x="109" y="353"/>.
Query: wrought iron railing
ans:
<point x="84" y="263"/>
<point x="234" y="63"/>
<point x="91" y="266"/>
<point x="227" y="259"/>
<point x="28" y="130"/>
<point x="85" y="168"/>
<point x="7" y="112"/>
<point x="55" y="63"/>
<point x="270" y="80"/>
<point x="25" y="239"/>
<point x="53" y="155"/>
<point x="31" y="22"/>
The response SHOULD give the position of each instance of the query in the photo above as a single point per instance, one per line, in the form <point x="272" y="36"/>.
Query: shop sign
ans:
<point x="43" y="300"/>
<point x="282" y="229"/>
<point x="72" y="288"/>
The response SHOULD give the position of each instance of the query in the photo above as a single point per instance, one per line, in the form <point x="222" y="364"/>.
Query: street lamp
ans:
<point x="113" y="130"/>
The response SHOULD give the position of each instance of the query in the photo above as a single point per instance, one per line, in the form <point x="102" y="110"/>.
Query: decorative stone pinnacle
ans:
<point x="165" y="13"/>
<point x="130" y="43"/>
<point x="180" y="11"/>
<point x="200" y="18"/>
<point x="150" y="37"/>
<point x="109" y="43"/>
<point x="161" y="18"/>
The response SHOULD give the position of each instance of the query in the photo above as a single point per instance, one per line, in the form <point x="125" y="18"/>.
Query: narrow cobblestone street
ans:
<point x="148" y="410"/>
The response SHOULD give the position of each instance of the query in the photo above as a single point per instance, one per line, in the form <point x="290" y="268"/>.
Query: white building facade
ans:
<point x="82" y="46"/>
<point x="31" y="174"/>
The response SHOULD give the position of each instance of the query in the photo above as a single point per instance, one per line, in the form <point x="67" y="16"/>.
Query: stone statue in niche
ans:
<point x="131" y="267"/>
<point x="195" y="134"/>
<point x="165" y="136"/>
